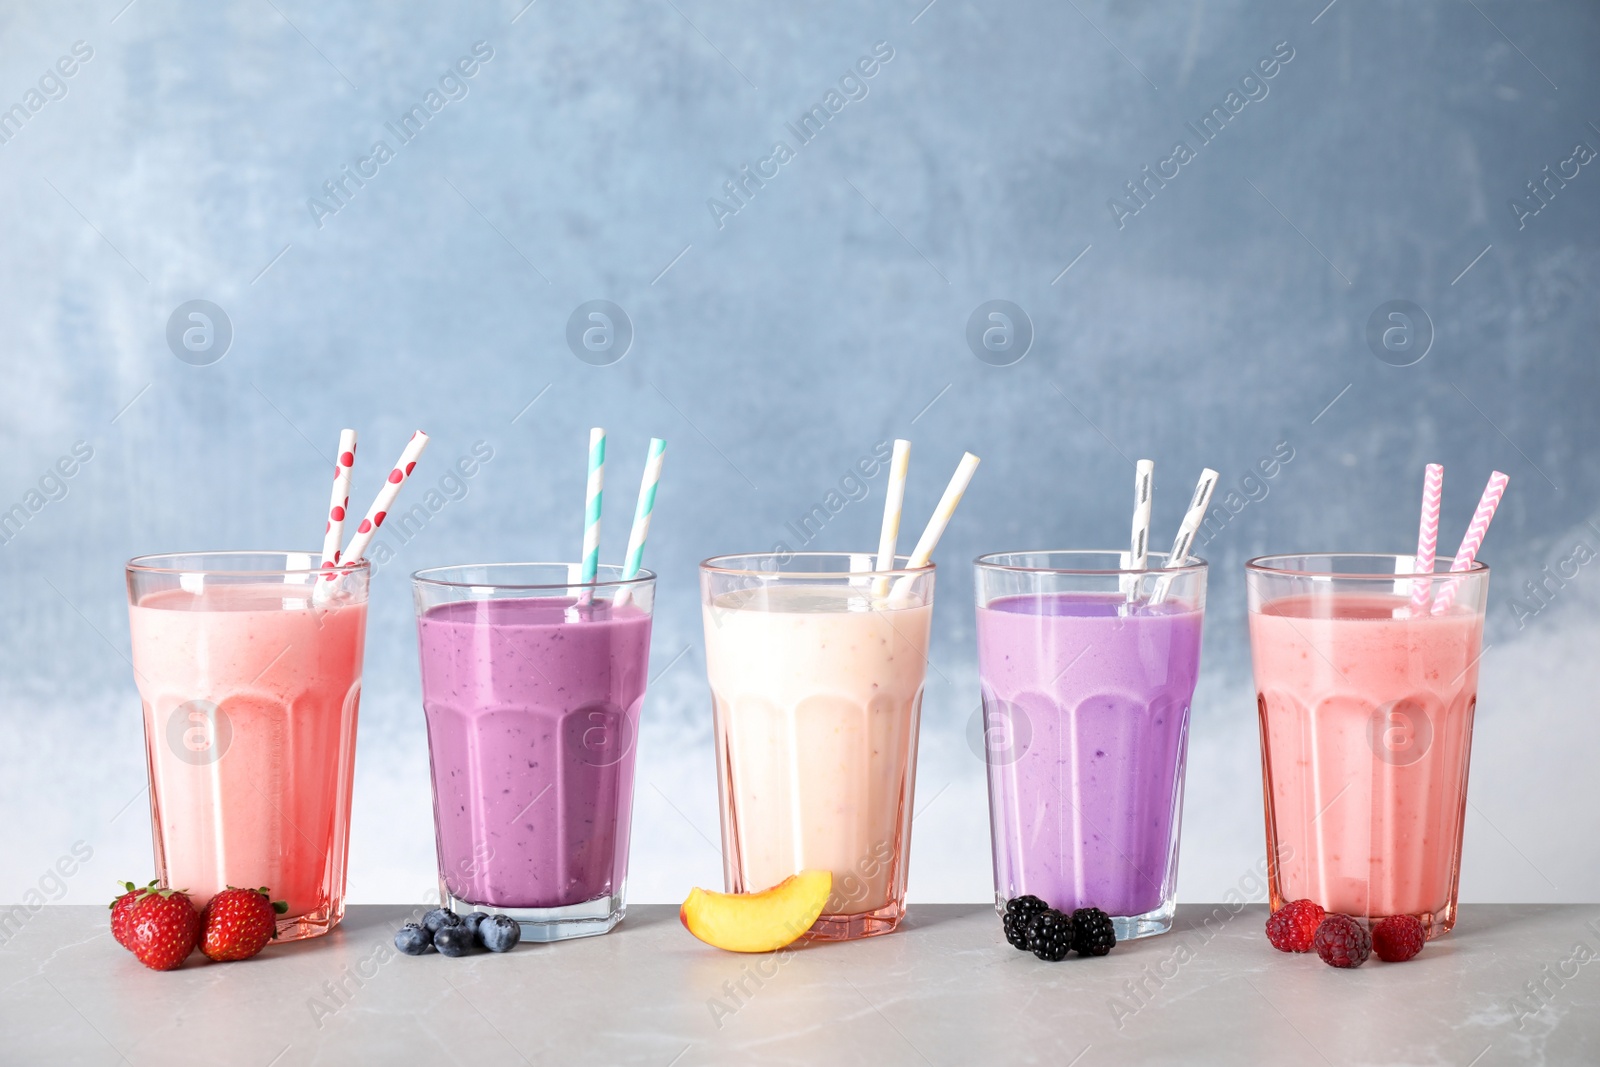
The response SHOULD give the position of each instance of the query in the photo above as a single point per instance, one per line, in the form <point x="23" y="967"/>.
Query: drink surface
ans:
<point x="250" y="700"/>
<point x="533" y="711"/>
<point x="1366" y="725"/>
<point x="1086" y="702"/>
<point x="817" y="696"/>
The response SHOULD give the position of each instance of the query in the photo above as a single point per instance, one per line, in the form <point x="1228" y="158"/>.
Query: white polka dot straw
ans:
<point x="391" y="489"/>
<point x="343" y="468"/>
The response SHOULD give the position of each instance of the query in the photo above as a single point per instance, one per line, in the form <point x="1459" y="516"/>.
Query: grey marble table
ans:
<point x="1510" y="985"/>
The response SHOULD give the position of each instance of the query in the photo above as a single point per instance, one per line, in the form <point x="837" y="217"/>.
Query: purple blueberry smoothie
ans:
<point x="533" y="710"/>
<point x="1091" y="696"/>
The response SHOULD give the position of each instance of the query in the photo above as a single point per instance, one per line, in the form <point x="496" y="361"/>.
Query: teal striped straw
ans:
<point x="647" y="503"/>
<point x="591" y="514"/>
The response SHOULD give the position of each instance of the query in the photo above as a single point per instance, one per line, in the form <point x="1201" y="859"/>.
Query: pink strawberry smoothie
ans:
<point x="250" y="698"/>
<point x="1366" y="727"/>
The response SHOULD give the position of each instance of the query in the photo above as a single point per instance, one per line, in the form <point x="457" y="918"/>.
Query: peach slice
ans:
<point x="757" y="922"/>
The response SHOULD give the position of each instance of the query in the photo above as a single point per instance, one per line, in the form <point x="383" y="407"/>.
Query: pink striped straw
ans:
<point x="1427" y="537"/>
<point x="343" y="469"/>
<point x="1473" y="539"/>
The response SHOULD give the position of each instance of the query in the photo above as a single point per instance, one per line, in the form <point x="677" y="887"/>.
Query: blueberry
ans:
<point x="499" y="933"/>
<point x="453" y="940"/>
<point x="471" y="921"/>
<point x="412" y="939"/>
<point x="439" y="918"/>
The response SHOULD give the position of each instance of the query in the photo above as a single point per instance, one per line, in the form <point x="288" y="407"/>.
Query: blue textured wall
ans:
<point x="1218" y="317"/>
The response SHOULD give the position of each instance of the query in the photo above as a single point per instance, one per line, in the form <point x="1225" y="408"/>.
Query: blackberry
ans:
<point x="1050" y="935"/>
<point x="1020" y="911"/>
<point x="1092" y="932"/>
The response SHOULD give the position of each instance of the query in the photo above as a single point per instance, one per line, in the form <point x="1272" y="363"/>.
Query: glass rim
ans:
<point x="150" y="563"/>
<point x="988" y="561"/>
<point x="718" y="565"/>
<point x="429" y="576"/>
<point x="1265" y="565"/>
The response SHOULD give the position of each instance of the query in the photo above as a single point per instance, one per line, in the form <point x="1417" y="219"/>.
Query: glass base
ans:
<point x="850" y="927"/>
<point x="1126" y="927"/>
<point x="311" y="924"/>
<point x="1151" y="923"/>
<point x="587" y="919"/>
<point x="1435" y="924"/>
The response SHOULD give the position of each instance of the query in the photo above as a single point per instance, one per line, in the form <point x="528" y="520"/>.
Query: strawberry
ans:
<point x="162" y="927"/>
<point x="238" y="923"/>
<point x="121" y="913"/>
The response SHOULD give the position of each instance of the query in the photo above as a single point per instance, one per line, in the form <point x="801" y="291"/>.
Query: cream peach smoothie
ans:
<point x="1366" y="724"/>
<point x="817" y="694"/>
<point x="250" y="696"/>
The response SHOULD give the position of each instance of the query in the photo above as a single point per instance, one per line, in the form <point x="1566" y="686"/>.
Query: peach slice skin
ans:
<point x="757" y="922"/>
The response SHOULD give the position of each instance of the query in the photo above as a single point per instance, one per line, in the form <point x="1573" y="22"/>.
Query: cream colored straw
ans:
<point x="923" y="553"/>
<point x="893" y="505"/>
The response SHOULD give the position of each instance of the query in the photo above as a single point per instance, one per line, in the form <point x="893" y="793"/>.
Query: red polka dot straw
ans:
<point x="386" y="496"/>
<point x="343" y="468"/>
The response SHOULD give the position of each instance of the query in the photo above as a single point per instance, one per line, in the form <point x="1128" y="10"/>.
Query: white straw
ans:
<point x="940" y="519"/>
<point x="893" y="505"/>
<point x="1187" y="529"/>
<point x="1139" y="557"/>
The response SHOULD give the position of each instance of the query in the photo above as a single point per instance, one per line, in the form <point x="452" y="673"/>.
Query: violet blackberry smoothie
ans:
<point x="1091" y="695"/>
<point x="532" y="706"/>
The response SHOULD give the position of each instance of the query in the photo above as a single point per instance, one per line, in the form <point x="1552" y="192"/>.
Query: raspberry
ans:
<point x="1291" y="927"/>
<point x="1398" y="938"/>
<point x="1342" y="942"/>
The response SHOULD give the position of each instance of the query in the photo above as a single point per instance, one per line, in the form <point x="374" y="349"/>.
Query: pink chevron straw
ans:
<point x="1473" y="539"/>
<point x="1427" y="537"/>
